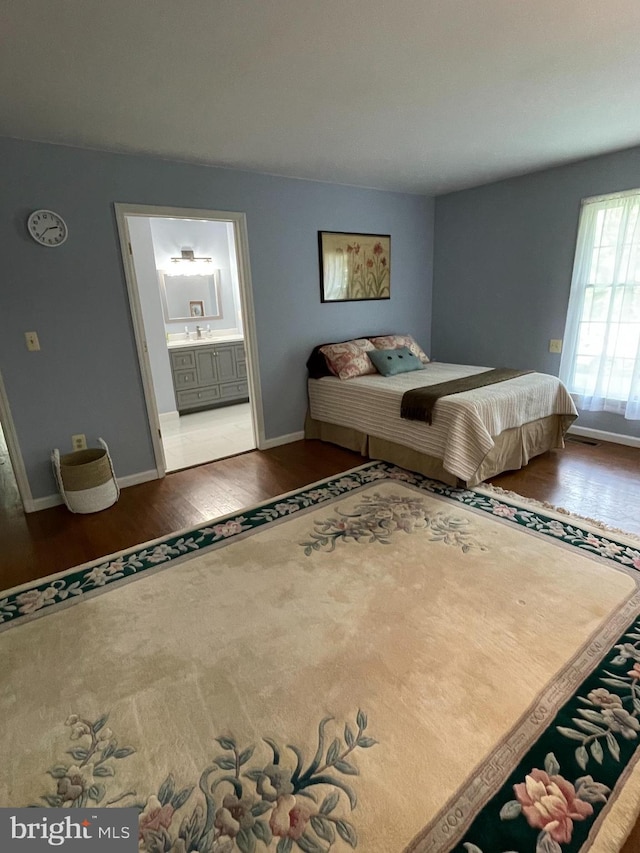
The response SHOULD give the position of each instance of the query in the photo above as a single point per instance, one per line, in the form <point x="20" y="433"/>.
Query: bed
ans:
<point x="474" y="434"/>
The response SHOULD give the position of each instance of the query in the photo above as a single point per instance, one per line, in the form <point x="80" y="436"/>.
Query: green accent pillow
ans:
<point x="389" y="362"/>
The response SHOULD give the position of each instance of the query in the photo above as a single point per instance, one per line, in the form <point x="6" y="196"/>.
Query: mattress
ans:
<point x="464" y="425"/>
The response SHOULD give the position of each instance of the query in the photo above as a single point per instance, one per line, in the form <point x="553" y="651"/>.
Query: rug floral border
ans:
<point x="565" y="774"/>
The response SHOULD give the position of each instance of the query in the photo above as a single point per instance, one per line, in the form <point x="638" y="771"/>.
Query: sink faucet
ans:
<point x="199" y="333"/>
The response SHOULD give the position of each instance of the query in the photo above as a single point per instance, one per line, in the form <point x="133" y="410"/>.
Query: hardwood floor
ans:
<point x="600" y="482"/>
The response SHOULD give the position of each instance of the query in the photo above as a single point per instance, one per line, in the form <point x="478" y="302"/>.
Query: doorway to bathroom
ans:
<point x="188" y="279"/>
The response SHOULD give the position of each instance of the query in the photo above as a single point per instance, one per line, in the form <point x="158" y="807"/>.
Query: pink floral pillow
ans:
<point x="349" y="359"/>
<point x="398" y="341"/>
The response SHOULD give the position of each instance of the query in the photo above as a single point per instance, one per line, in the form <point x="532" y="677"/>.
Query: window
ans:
<point x="601" y="359"/>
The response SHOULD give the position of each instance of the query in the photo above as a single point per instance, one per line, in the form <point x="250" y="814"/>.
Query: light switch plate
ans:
<point x="555" y="345"/>
<point x="33" y="344"/>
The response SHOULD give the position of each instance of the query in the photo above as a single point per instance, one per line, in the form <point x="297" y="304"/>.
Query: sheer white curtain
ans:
<point x="601" y="354"/>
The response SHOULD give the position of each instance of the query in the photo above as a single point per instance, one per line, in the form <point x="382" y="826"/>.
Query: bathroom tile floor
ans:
<point x="201" y="437"/>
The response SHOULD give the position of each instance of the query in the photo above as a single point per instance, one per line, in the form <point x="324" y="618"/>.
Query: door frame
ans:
<point x="239" y="221"/>
<point x="15" y="454"/>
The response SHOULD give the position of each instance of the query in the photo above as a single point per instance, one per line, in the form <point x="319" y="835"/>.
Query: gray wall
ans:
<point x="86" y="378"/>
<point x="503" y="263"/>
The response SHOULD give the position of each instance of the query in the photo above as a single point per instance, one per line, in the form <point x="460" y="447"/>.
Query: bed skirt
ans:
<point x="512" y="449"/>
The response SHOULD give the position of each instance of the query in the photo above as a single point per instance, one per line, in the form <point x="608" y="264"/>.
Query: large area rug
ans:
<point x="377" y="662"/>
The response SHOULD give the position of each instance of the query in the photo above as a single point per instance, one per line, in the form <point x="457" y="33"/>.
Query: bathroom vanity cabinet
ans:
<point x="209" y="375"/>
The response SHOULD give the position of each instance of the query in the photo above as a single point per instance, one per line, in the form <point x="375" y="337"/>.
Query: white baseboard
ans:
<point x="140" y="477"/>
<point x="36" y="504"/>
<point x="268" y="443"/>
<point x="602" y="435"/>
<point x="168" y="417"/>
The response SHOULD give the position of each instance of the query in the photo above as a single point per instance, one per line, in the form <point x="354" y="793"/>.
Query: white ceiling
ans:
<point x="413" y="95"/>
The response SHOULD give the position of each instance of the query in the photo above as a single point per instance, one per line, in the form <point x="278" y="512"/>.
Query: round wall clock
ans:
<point x="47" y="228"/>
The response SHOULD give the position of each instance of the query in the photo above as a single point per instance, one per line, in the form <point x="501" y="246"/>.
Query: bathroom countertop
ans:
<point x="214" y="339"/>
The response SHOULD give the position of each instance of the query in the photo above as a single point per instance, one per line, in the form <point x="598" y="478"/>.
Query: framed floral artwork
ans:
<point x="196" y="308"/>
<point x="354" y="266"/>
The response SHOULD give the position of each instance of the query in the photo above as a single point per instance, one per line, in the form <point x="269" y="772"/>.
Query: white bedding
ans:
<point x="463" y="424"/>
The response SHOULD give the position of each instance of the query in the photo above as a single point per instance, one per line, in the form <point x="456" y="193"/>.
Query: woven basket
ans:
<point x="86" y="479"/>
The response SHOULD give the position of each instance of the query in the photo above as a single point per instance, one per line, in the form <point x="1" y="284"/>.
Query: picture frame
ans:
<point x="196" y="308"/>
<point x="354" y="266"/>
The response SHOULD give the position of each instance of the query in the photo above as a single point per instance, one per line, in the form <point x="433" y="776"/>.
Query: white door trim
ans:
<point x="239" y="221"/>
<point x="15" y="454"/>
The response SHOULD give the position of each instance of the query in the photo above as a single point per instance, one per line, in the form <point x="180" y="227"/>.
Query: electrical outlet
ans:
<point x="78" y="442"/>
<point x="555" y="345"/>
<point x="33" y="344"/>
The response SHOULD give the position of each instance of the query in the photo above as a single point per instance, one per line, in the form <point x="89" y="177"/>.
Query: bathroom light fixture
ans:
<point x="189" y="264"/>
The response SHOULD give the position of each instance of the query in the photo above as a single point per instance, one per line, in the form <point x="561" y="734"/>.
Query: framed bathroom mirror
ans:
<point x="190" y="297"/>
